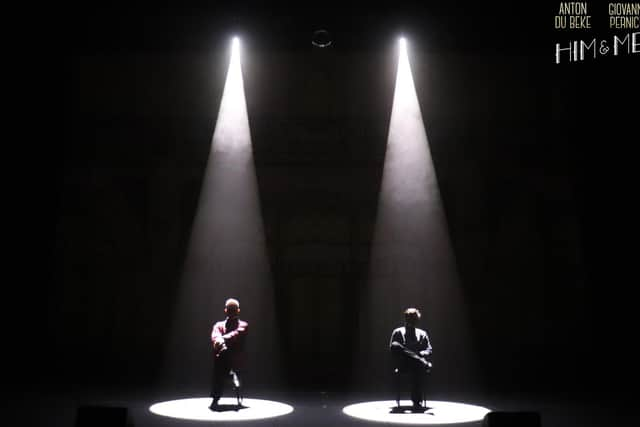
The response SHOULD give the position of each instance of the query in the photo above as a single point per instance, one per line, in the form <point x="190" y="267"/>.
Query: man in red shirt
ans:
<point x="227" y="337"/>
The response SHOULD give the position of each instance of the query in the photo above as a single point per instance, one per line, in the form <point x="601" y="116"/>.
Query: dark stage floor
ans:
<point x="310" y="409"/>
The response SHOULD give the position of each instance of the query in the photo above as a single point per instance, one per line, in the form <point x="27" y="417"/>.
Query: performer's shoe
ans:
<point x="417" y="407"/>
<point x="214" y="405"/>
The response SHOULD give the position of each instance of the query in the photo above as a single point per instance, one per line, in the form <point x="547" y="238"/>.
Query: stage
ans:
<point x="311" y="408"/>
<point x="332" y="170"/>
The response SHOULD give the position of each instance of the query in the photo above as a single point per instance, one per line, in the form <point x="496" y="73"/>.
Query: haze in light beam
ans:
<point x="412" y="262"/>
<point x="408" y="176"/>
<point x="226" y="255"/>
<point x="232" y="127"/>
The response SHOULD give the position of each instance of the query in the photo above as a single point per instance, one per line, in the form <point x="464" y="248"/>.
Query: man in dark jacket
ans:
<point x="410" y="346"/>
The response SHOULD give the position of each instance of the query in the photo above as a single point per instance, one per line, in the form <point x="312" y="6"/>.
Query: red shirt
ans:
<point x="234" y="332"/>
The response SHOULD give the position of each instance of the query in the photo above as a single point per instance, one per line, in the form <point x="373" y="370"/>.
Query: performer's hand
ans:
<point x="424" y="353"/>
<point x="218" y="344"/>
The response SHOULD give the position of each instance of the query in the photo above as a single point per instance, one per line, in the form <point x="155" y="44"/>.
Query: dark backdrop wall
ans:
<point x="530" y="156"/>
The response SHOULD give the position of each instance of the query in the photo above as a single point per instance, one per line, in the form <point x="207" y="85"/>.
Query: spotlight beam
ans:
<point x="412" y="263"/>
<point x="227" y="254"/>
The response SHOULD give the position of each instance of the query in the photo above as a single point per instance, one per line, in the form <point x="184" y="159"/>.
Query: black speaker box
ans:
<point x="511" y="419"/>
<point x="101" y="416"/>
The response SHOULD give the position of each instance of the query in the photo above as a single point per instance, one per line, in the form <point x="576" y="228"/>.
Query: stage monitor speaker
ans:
<point x="511" y="419"/>
<point x="101" y="416"/>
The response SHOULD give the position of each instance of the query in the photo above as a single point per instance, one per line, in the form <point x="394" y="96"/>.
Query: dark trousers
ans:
<point x="410" y="365"/>
<point x="222" y="367"/>
<point x="412" y="375"/>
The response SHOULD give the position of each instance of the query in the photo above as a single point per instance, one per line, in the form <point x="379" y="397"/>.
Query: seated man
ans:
<point x="228" y="338"/>
<point x="409" y="346"/>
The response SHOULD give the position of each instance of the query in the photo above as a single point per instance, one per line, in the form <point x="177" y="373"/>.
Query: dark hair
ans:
<point x="412" y="313"/>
